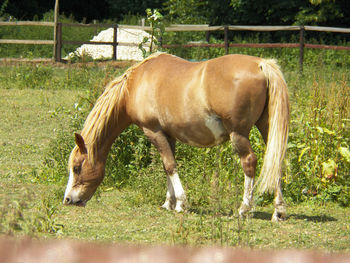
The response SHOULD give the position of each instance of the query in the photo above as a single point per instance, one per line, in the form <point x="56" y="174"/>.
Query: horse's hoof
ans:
<point x="179" y="207"/>
<point x="278" y="217"/>
<point x="168" y="206"/>
<point x="243" y="210"/>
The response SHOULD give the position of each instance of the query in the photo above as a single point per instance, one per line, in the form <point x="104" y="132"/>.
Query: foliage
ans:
<point x="154" y="19"/>
<point x="319" y="12"/>
<point x="119" y="9"/>
<point x="318" y="150"/>
<point x="214" y="12"/>
<point x="17" y="216"/>
<point x="3" y="7"/>
<point x="186" y="12"/>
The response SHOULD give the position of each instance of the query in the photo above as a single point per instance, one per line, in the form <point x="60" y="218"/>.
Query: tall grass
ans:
<point x="17" y="216"/>
<point x="318" y="154"/>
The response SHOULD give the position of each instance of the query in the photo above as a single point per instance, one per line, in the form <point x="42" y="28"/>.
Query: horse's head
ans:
<point x="84" y="178"/>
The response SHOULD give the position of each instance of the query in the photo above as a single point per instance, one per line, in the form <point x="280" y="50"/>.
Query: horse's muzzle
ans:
<point x="69" y="201"/>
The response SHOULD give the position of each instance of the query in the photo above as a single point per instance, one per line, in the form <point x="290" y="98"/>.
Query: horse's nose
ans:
<point x="67" y="200"/>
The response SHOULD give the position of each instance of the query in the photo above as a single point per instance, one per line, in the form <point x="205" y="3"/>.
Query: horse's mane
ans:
<point x="106" y="108"/>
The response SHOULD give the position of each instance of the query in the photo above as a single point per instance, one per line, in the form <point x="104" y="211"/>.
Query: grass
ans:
<point x="30" y="119"/>
<point x="34" y="111"/>
<point x="111" y="218"/>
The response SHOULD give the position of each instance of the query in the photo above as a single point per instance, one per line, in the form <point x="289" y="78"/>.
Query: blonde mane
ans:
<point x="107" y="108"/>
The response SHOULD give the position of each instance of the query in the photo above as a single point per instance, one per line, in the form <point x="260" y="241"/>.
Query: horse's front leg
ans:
<point x="175" y="196"/>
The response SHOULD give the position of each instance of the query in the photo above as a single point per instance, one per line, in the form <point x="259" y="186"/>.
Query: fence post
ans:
<point x="226" y="39"/>
<point x="115" y="43"/>
<point x="58" y="42"/>
<point x="301" y="48"/>
<point x="56" y="16"/>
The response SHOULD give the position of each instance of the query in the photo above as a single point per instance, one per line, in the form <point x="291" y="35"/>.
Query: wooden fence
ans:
<point x="59" y="42"/>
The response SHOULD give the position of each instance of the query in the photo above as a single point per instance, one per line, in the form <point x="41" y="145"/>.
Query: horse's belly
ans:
<point x="205" y="132"/>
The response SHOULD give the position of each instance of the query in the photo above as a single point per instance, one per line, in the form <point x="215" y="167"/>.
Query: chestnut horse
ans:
<point x="198" y="103"/>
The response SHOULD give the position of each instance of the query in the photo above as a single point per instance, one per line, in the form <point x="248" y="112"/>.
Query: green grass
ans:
<point x="30" y="120"/>
<point x="37" y="107"/>
<point x="111" y="218"/>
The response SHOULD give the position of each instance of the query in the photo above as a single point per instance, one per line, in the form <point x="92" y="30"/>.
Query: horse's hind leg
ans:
<point x="248" y="161"/>
<point x="280" y="206"/>
<point x="175" y="197"/>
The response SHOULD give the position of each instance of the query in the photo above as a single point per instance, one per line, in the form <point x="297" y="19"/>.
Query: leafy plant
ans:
<point x="155" y="20"/>
<point x="17" y="216"/>
<point x="3" y="7"/>
<point x="319" y="143"/>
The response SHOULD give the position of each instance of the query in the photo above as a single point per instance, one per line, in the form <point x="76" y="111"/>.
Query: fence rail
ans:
<point x="27" y="42"/>
<point x="59" y="42"/>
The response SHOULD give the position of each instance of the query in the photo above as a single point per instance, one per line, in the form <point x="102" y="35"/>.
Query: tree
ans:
<point x="275" y="12"/>
<point x="187" y="11"/>
<point x="214" y="12"/>
<point x="120" y="8"/>
<point x="81" y="10"/>
<point x="325" y="12"/>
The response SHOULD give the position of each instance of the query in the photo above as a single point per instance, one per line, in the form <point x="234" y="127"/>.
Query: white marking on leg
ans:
<point x="170" y="197"/>
<point x="178" y="191"/>
<point x="166" y="204"/>
<point x="248" y="195"/>
<point x="248" y="190"/>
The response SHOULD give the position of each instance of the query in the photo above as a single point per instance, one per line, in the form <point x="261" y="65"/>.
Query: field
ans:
<point x="41" y="106"/>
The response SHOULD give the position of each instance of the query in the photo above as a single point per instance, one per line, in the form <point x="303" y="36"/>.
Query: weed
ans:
<point x="317" y="166"/>
<point x="20" y="216"/>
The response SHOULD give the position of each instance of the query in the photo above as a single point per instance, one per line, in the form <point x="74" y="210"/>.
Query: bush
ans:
<point x="318" y="149"/>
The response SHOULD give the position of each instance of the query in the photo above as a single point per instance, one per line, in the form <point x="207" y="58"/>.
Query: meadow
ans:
<point x="42" y="105"/>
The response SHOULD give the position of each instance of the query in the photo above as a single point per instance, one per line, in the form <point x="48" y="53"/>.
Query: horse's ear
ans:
<point x="79" y="141"/>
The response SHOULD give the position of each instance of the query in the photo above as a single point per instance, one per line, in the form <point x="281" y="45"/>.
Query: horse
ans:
<point x="202" y="104"/>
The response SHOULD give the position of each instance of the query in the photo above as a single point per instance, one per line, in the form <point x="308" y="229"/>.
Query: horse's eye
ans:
<point x="77" y="169"/>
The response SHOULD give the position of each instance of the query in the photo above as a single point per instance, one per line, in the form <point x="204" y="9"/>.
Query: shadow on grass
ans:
<point x="316" y="219"/>
<point x="262" y="215"/>
<point x="208" y="211"/>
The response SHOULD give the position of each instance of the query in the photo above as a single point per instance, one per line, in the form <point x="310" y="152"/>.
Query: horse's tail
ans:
<point x="278" y="121"/>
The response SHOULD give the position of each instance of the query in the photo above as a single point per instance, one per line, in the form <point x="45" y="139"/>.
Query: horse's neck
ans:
<point x="116" y="124"/>
<point x="102" y="143"/>
<point x="114" y="130"/>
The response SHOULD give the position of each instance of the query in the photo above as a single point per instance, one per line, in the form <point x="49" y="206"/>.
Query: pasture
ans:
<point x="41" y="106"/>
